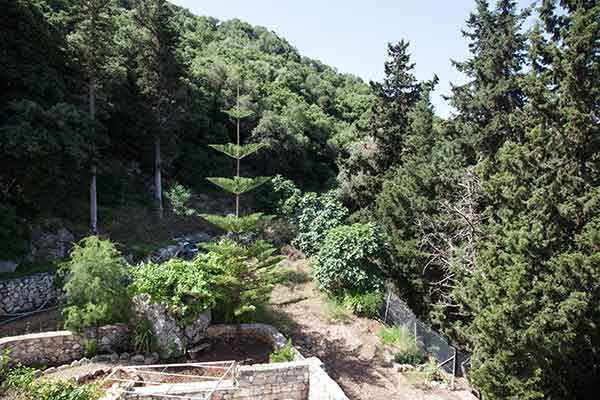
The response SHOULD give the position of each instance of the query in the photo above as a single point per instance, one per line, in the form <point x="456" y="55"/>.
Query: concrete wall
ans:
<point x="26" y="293"/>
<point x="61" y="347"/>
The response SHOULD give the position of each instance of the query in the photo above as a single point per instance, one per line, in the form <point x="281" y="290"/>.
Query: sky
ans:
<point x="352" y="35"/>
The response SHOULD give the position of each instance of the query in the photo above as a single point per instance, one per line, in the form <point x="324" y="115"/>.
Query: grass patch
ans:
<point x="337" y="311"/>
<point x="30" y="269"/>
<point x="405" y="344"/>
<point x="292" y="277"/>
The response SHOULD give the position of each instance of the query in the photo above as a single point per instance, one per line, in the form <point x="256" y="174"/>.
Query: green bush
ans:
<point x="21" y="384"/>
<point x="184" y="287"/>
<point x="244" y="276"/>
<point x="409" y="357"/>
<point x="405" y="344"/>
<point x="4" y="361"/>
<point x="143" y="339"/>
<point x="90" y="348"/>
<point x="348" y="260"/>
<point x="364" y="304"/>
<point x="312" y="214"/>
<point x="284" y="354"/>
<point x="95" y="279"/>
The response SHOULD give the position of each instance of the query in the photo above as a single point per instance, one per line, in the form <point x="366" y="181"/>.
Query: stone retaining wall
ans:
<point x="287" y="381"/>
<point x="26" y="293"/>
<point x="61" y="347"/>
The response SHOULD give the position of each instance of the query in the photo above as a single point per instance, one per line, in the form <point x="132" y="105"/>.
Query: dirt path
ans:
<point x="350" y="350"/>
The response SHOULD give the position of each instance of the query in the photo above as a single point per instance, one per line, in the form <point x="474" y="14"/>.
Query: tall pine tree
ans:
<point x="535" y="294"/>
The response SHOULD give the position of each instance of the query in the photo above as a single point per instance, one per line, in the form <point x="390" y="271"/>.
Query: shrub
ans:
<point x="313" y="215"/>
<point x="348" y="260"/>
<point x="410" y="357"/>
<point x="21" y="384"/>
<point x="90" y="348"/>
<point x="143" y="339"/>
<point x="284" y="354"/>
<point x="364" y="304"/>
<point x="404" y="342"/>
<point x="95" y="284"/>
<point x="184" y="287"/>
<point x="4" y="361"/>
<point x="244" y="276"/>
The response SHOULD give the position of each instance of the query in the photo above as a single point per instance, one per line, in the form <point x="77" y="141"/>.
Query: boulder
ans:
<point x="49" y="241"/>
<point x="172" y="337"/>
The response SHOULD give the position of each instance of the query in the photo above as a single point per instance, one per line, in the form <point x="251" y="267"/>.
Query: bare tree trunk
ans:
<point x="157" y="178"/>
<point x="93" y="189"/>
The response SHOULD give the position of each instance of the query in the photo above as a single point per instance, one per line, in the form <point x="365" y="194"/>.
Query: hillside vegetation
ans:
<point x="488" y="222"/>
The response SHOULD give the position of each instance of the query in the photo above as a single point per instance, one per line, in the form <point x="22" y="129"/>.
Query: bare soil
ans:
<point x="351" y="350"/>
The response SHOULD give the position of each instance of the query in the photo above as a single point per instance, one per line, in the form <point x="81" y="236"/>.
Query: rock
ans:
<point x="197" y="330"/>
<point x="8" y="266"/>
<point x="101" y="358"/>
<point x="49" y="371"/>
<point x="151" y="359"/>
<point x="49" y="241"/>
<point x="169" y="336"/>
<point x="137" y="359"/>
<point x="114" y="357"/>
<point x="194" y="352"/>
<point x="124" y="357"/>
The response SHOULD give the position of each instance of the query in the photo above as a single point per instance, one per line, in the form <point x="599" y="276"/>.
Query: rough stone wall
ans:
<point x="281" y="381"/>
<point x="26" y="293"/>
<point x="61" y="347"/>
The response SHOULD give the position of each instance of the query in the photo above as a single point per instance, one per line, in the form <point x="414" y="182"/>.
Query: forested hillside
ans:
<point x="161" y="76"/>
<point x="488" y="222"/>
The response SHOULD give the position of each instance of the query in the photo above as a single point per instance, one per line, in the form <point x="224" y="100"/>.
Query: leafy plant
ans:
<point x="90" y="348"/>
<point x="283" y="354"/>
<point x="409" y="357"/>
<point x="364" y="304"/>
<point x="400" y="338"/>
<point x="349" y="258"/>
<point x="185" y="287"/>
<point x="4" y="361"/>
<point x="243" y="274"/>
<point x="143" y="339"/>
<point x="21" y="384"/>
<point x="95" y="284"/>
<point x="313" y="215"/>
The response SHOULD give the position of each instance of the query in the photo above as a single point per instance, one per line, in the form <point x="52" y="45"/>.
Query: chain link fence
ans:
<point x="396" y="312"/>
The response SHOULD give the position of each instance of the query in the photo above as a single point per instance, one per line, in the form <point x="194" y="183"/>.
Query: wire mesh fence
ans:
<point x="396" y="312"/>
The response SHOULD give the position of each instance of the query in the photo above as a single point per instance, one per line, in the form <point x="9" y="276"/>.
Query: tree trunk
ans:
<point x="157" y="178"/>
<point x="93" y="190"/>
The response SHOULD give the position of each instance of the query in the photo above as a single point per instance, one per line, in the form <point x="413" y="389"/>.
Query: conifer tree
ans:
<point x="92" y="42"/>
<point x="361" y="173"/>
<point x="535" y="293"/>
<point x="238" y="185"/>
<point x="248" y="266"/>
<point x="159" y="71"/>
<point x="488" y="104"/>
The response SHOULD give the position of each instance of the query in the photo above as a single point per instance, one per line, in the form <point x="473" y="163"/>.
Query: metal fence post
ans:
<point x="387" y="305"/>
<point x="416" y="341"/>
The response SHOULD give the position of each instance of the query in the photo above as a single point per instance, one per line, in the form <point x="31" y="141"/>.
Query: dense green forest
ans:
<point x="490" y="218"/>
